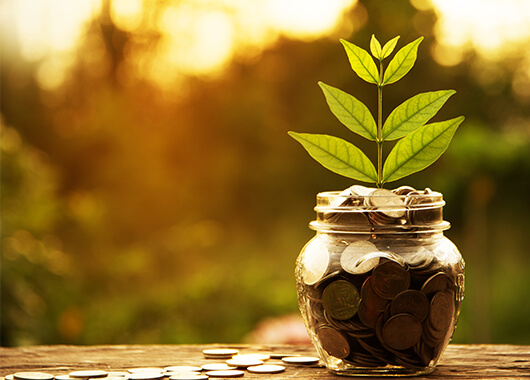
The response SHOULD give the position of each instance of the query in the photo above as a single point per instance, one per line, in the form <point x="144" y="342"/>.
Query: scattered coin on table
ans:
<point x="220" y="353"/>
<point x="243" y="363"/>
<point x="33" y="376"/>
<point x="217" y="367"/>
<point x="266" y="368"/>
<point x="262" y="357"/>
<point x="300" y="360"/>
<point x="89" y="374"/>
<point x="189" y="376"/>
<point x="226" y="373"/>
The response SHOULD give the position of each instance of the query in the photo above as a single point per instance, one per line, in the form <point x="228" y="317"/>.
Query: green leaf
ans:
<point x="338" y="155"/>
<point x="375" y="48"/>
<point x="389" y="47"/>
<point x="361" y="62"/>
<point x="402" y="62"/>
<point x="350" y="111"/>
<point x="419" y="149"/>
<point x="413" y="113"/>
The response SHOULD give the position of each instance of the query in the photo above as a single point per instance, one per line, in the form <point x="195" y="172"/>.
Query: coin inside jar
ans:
<point x="391" y="205"/>
<point x="402" y="331"/>
<point x="389" y="279"/>
<point x="316" y="261"/>
<point x="354" y="253"/>
<point x="333" y="342"/>
<point x="341" y="299"/>
<point x="411" y="302"/>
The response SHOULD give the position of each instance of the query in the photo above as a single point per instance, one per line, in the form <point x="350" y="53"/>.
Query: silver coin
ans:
<point x="33" y="376"/>
<point x="243" y="363"/>
<point x="361" y="191"/>
<point x="146" y="369"/>
<point x="217" y="367"/>
<point x="89" y="374"/>
<point x="145" y="375"/>
<point x="256" y="356"/>
<point x="221" y="352"/>
<point x="226" y="373"/>
<point x="188" y="376"/>
<point x="9" y="377"/>
<point x="391" y="205"/>
<point x="266" y="368"/>
<point x="300" y="360"/>
<point x="115" y="374"/>
<point x="59" y="377"/>
<point x="353" y="253"/>
<point x="315" y="261"/>
<point x="183" y="368"/>
<point x="280" y="355"/>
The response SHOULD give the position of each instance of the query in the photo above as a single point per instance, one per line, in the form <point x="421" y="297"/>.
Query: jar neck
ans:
<point x="379" y="213"/>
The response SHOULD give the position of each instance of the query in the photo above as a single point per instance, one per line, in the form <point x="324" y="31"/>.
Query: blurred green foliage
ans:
<point x="132" y="217"/>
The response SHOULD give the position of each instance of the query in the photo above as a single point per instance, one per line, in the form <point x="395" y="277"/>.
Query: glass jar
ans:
<point x="379" y="285"/>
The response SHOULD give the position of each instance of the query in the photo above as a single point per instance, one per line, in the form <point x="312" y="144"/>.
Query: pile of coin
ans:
<point x="234" y="366"/>
<point x="404" y="207"/>
<point x="374" y="299"/>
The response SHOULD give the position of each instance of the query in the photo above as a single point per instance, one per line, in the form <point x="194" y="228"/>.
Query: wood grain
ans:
<point x="458" y="361"/>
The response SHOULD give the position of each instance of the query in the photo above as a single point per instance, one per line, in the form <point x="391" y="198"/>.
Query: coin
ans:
<point x="341" y="299"/>
<point x="217" y="367"/>
<point x="257" y="356"/>
<point x="183" y="368"/>
<point x="402" y="331"/>
<point x="367" y="315"/>
<point x="243" y="363"/>
<point x="300" y="360"/>
<point x="390" y="205"/>
<point x="442" y="311"/>
<point x="225" y="373"/>
<point x="353" y="253"/>
<point x="145" y="369"/>
<point x="90" y="374"/>
<point x="33" y="376"/>
<point x="266" y="368"/>
<point x="280" y="355"/>
<point x="389" y="279"/>
<point x="145" y="375"/>
<point x="189" y="376"/>
<point x="370" y="298"/>
<point x="315" y="261"/>
<point x="361" y="191"/>
<point x="220" y="353"/>
<point x="333" y="342"/>
<point x="412" y="302"/>
<point x="438" y="282"/>
<point x="404" y="190"/>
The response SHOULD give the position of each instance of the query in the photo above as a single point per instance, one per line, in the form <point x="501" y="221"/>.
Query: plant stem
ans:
<point x="380" y="126"/>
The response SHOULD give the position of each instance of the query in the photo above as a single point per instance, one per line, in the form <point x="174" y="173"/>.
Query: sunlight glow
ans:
<point x="491" y="27"/>
<point x="126" y="14"/>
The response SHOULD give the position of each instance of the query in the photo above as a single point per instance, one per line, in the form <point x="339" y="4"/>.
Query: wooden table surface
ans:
<point x="458" y="361"/>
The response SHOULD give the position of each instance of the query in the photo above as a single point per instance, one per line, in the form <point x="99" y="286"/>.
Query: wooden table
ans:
<point x="458" y="361"/>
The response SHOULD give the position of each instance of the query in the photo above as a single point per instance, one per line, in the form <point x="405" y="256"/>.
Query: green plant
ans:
<point x="421" y="144"/>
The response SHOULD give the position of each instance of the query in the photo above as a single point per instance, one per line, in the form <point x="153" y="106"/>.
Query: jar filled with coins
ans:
<point x="380" y="286"/>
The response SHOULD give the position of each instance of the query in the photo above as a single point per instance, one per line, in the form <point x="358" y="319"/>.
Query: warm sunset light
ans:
<point x="151" y="194"/>
<point x="491" y="27"/>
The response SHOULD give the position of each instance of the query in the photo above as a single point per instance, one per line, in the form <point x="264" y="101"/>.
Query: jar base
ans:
<point x="388" y="371"/>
